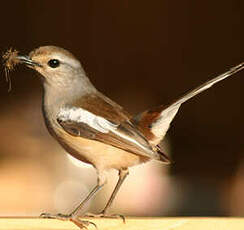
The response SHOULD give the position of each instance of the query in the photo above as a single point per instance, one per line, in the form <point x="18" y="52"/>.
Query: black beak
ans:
<point x="26" y="60"/>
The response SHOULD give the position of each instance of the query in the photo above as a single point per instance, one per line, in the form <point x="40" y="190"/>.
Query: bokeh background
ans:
<point x="141" y="54"/>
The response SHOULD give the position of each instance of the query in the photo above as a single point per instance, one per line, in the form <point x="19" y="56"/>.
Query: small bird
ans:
<point x="93" y="128"/>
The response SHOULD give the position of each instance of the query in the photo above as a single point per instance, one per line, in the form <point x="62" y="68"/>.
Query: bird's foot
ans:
<point x="104" y="215"/>
<point x="58" y="216"/>
<point x="64" y="217"/>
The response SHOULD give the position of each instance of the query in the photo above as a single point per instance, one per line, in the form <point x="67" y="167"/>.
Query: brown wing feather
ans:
<point x="126" y="136"/>
<point x="100" y="105"/>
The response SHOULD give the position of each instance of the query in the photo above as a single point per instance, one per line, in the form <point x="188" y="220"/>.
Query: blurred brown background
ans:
<point x="141" y="54"/>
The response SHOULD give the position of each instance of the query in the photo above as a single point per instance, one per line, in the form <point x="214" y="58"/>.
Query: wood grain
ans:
<point x="188" y="223"/>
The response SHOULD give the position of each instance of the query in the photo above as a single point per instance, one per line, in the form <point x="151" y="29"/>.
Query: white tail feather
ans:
<point x="161" y="125"/>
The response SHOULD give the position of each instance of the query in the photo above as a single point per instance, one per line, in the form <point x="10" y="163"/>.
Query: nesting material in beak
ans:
<point x="10" y="60"/>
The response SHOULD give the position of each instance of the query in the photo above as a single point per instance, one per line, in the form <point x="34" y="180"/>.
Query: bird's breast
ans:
<point x="100" y="155"/>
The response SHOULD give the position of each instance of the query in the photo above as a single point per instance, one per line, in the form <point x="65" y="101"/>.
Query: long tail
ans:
<point x="154" y="123"/>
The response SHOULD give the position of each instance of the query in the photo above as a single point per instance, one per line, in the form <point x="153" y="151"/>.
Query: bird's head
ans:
<point x="56" y="65"/>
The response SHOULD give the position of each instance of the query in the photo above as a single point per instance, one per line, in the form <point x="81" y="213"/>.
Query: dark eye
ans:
<point x="54" y="63"/>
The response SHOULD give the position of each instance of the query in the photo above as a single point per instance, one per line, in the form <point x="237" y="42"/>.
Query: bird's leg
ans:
<point x="73" y="216"/>
<point x="101" y="181"/>
<point x="122" y="175"/>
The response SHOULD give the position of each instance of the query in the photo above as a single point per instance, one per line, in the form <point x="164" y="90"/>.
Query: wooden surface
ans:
<point x="203" y="223"/>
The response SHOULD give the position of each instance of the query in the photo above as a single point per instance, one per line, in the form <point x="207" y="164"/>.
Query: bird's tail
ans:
<point x="155" y="122"/>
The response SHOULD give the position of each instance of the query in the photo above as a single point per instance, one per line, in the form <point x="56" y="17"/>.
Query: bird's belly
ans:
<point x="100" y="155"/>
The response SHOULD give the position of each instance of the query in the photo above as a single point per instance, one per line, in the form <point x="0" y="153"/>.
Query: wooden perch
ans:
<point x="181" y="223"/>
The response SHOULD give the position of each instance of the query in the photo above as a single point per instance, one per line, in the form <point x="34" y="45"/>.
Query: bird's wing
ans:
<point x="154" y="123"/>
<point x="97" y="118"/>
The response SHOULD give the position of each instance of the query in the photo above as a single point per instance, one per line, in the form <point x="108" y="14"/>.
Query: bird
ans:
<point x="93" y="128"/>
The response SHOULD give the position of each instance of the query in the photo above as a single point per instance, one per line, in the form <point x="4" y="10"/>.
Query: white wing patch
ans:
<point x="102" y="125"/>
<point x="86" y="117"/>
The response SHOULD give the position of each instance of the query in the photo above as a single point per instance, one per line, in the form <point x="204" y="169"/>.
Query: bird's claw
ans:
<point x="104" y="215"/>
<point x="67" y="217"/>
<point x="58" y="216"/>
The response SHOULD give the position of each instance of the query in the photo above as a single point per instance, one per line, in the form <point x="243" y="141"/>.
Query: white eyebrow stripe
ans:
<point x="81" y="115"/>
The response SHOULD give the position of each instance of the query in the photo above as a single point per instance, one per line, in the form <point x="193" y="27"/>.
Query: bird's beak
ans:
<point x="27" y="60"/>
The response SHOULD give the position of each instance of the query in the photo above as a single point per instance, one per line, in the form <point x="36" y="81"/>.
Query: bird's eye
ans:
<point x="54" y="63"/>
